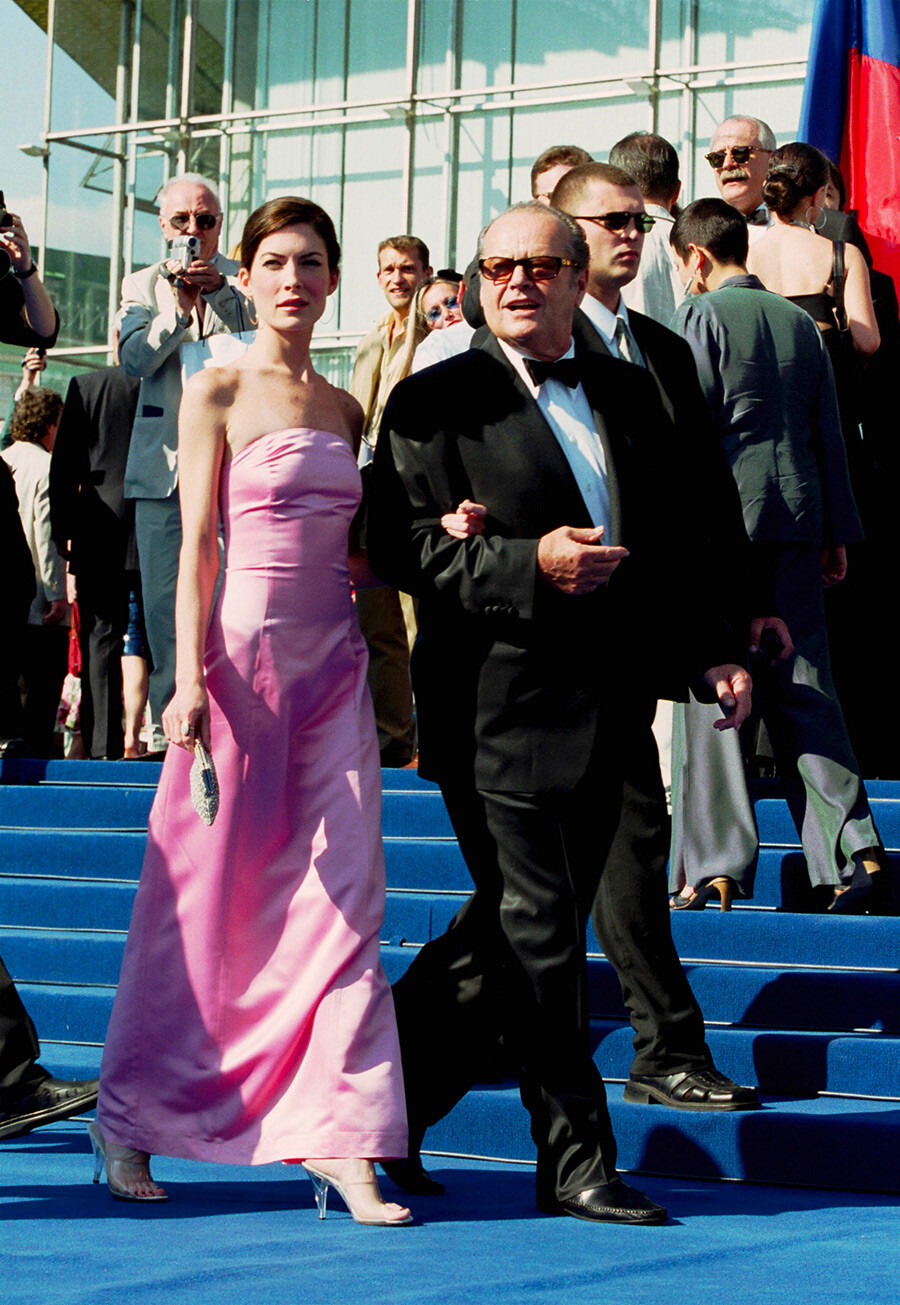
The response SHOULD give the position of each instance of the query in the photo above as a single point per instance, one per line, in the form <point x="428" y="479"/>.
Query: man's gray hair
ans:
<point x="764" y="132"/>
<point x="578" y="249"/>
<point x="192" y="179"/>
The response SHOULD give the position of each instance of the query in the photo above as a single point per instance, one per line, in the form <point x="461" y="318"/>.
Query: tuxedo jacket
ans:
<point x="87" y="472"/>
<point x="513" y="677"/>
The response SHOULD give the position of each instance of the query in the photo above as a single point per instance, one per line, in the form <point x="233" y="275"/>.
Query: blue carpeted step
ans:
<point x="86" y="956"/>
<point x="426" y="863"/>
<point x="753" y="937"/>
<point x="418" y="917"/>
<point x="51" y="904"/>
<point x="825" y="1142"/>
<point x="75" y="854"/>
<point x="772" y="998"/>
<point x="32" y="806"/>
<point x="68" y="1012"/>
<point x="415" y="814"/>
<point x="71" y="1060"/>
<point x="23" y="770"/>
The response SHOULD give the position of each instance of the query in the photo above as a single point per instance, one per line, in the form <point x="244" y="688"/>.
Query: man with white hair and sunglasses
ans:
<point x="190" y="295"/>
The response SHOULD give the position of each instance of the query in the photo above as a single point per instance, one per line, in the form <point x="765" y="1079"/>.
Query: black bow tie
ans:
<point x="759" y="217"/>
<point x="563" y="369"/>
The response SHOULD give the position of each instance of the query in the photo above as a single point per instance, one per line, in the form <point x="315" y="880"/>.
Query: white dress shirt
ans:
<point x="571" y="419"/>
<point x="605" y="323"/>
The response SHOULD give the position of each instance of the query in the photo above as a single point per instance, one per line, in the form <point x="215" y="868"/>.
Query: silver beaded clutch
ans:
<point x="204" y="785"/>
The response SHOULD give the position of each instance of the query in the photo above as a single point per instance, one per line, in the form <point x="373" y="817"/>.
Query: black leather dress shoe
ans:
<point x="611" y="1203"/>
<point x="699" y="1089"/>
<point x="50" y="1100"/>
<point x="412" y="1177"/>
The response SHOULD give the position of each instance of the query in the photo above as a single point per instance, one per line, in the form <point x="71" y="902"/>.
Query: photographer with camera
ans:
<point x="192" y="294"/>
<point x="27" y="317"/>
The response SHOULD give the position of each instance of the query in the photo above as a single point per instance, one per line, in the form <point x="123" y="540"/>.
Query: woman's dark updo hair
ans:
<point x="796" y="172"/>
<point x="288" y="211"/>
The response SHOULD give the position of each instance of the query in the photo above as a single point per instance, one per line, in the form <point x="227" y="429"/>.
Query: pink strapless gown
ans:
<point x="253" y="1021"/>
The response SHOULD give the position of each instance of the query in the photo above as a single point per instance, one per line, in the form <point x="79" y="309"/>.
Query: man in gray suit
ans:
<point x="164" y="306"/>
<point x="768" y="381"/>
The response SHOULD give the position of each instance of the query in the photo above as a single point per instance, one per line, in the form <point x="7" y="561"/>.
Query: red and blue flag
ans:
<point x="851" y="111"/>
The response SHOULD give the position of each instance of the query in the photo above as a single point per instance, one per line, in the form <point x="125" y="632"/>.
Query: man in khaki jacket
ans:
<point x="381" y="361"/>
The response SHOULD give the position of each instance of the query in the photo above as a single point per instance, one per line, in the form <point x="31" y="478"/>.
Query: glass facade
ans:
<point x="395" y="115"/>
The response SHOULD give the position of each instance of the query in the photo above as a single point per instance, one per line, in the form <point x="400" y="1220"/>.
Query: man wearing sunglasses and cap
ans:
<point x="190" y="295"/>
<point x="543" y="644"/>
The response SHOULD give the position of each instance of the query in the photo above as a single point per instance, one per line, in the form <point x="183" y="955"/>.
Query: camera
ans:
<point x="185" y="249"/>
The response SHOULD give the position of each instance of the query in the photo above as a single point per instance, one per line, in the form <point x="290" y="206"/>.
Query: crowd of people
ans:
<point x="615" y="461"/>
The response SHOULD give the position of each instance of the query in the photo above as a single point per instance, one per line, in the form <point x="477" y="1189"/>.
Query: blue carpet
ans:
<point x="230" y="1236"/>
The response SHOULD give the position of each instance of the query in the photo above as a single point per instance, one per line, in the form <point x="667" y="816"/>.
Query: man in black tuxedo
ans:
<point x="672" y="1063"/>
<point x="542" y="647"/>
<point x="93" y="523"/>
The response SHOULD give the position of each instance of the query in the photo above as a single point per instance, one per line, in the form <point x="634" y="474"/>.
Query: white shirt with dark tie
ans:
<point x="570" y="417"/>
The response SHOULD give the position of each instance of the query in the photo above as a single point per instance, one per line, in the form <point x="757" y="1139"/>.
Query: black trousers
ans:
<point x="19" y="1048"/>
<point x="103" y="612"/>
<point x="505" y="989"/>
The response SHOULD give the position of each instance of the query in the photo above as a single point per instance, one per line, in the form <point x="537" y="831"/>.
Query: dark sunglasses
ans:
<point x="204" y="221"/>
<point x="740" y="154"/>
<point x="619" y="221"/>
<point x="544" y="267"/>
<point x="434" y="314"/>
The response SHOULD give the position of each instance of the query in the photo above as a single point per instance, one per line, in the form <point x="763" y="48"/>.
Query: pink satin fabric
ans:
<point x="253" y="1021"/>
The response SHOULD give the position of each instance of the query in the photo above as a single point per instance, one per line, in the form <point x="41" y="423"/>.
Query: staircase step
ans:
<point x="84" y="956"/>
<point x="55" y="904"/>
<point x="770" y="998"/>
<point x="129" y="774"/>
<point x="825" y="1142"/>
<point x="65" y="807"/>
<point x="68" y="1012"/>
<point x="773" y="938"/>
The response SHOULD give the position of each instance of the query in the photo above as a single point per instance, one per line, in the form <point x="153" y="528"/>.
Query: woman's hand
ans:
<point x="466" y="521"/>
<point x="187" y="717"/>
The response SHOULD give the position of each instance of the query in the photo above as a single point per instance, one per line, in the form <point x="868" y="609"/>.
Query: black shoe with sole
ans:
<point x="46" y="1102"/>
<point x="699" y="1089"/>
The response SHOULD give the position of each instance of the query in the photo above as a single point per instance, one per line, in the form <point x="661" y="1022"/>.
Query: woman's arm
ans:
<point x="858" y="303"/>
<point x="201" y="447"/>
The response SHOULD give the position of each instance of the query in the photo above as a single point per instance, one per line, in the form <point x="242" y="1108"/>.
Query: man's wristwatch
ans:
<point x="23" y="276"/>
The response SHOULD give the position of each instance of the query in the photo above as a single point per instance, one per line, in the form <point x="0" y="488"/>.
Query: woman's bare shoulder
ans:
<point x="215" y="387"/>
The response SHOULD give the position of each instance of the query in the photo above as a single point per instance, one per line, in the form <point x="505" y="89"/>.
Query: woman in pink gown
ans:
<point x="253" y="1021"/>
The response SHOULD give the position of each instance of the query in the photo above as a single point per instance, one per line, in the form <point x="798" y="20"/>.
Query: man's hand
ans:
<point x="782" y="634"/>
<point x="834" y="565"/>
<point x="17" y="245"/>
<point x="188" y="284"/>
<point x="574" y="561"/>
<point x="732" y="686"/>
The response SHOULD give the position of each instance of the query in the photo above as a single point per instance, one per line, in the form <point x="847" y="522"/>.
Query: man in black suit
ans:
<point x="542" y="647"/>
<point x="93" y="524"/>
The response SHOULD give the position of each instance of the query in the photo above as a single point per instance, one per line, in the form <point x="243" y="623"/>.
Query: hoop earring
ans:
<point x="811" y="221"/>
<point x="252" y="317"/>
<point x="329" y="316"/>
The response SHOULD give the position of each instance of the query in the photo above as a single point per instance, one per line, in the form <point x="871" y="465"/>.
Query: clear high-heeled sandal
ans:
<point x="123" y="1189"/>
<point x="357" y="1207"/>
